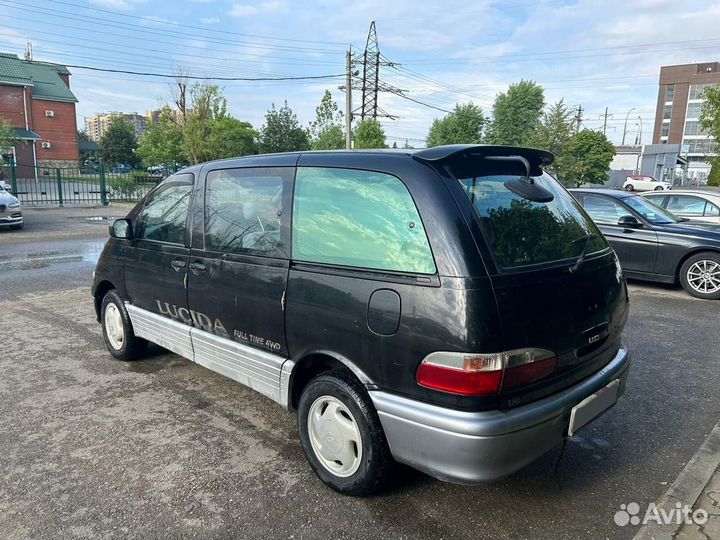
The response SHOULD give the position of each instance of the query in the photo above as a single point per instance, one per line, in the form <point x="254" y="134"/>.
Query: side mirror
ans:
<point x="630" y="222"/>
<point x="121" y="228"/>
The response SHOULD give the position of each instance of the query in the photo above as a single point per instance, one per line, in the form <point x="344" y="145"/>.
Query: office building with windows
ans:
<point x="677" y="116"/>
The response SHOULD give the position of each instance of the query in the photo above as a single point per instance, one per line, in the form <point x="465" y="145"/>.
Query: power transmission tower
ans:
<point x="371" y="85"/>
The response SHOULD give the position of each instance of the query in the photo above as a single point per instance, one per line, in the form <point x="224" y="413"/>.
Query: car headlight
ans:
<point x="15" y="204"/>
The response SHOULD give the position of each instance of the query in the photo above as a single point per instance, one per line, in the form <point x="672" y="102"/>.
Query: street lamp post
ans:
<point x="626" y="121"/>
<point x="640" y="141"/>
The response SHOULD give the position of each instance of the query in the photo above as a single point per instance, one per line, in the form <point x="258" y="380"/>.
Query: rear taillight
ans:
<point x="484" y="374"/>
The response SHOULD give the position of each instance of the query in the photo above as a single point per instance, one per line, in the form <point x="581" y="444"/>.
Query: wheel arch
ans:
<point x="314" y="363"/>
<point x="693" y="252"/>
<point x="100" y="291"/>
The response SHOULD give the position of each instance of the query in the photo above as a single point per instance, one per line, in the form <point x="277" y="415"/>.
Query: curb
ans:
<point x="686" y="488"/>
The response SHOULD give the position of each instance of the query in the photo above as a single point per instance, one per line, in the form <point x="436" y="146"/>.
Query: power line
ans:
<point x="173" y="76"/>
<point x="173" y="23"/>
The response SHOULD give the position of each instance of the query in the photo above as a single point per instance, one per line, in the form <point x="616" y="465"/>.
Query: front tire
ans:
<point x="117" y="329"/>
<point x="629" y="187"/>
<point x="342" y="436"/>
<point x="700" y="276"/>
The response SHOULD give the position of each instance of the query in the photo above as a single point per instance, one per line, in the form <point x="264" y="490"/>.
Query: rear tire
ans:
<point x="342" y="436"/>
<point x="117" y="329"/>
<point x="629" y="187"/>
<point x="700" y="276"/>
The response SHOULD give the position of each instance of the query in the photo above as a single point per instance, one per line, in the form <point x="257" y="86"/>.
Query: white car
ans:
<point x="641" y="182"/>
<point x="10" y="210"/>
<point x="694" y="205"/>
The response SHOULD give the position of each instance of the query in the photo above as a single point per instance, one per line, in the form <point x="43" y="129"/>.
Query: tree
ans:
<point x="553" y="133"/>
<point x="369" y="134"/>
<point x="282" y="132"/>
<point x="207" y="105"/>
<point x="714" y="176"/>
<point x="710" y="113"/>
<point x="6" y="139"/>
<point x="462" y="126"/>
<point x="326" y="131"/>
<point x="586" y="159"/>
<point x="516" y="114"/>
<point x="230" y="137"/>
<point x="162" y="142"/>
<point x="118" y="144"/>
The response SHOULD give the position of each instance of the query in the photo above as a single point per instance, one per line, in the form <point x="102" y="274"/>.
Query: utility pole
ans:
<point x="578" y="118"/>
<point x="348" y="99"/>
<point x="605" y="119"/>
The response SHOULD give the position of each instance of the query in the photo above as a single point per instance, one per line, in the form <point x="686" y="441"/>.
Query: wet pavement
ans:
<point x="162" y="448"/>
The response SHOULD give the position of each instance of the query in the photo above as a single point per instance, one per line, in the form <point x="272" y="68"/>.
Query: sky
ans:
<point x="591" y="53"/>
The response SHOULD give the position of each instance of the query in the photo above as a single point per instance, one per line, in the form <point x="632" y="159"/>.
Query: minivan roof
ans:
<point x="434" y="154"/>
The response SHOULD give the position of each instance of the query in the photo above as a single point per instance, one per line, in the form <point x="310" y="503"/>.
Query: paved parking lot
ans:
<point x="163" y="448"/>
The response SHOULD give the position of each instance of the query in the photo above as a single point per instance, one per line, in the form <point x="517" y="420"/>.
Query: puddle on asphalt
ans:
<point x="44" y="259"/>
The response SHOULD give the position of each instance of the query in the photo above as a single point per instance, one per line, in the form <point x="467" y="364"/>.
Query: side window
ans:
<point x="164" y="217"/>
<point x="602" y="210"/>
<point x="656" y="199"/>
<point x="243" y="209"/>
<point x="681" y="204"/>
<point x="358" y="218"/>
<point x="711" y="210"/>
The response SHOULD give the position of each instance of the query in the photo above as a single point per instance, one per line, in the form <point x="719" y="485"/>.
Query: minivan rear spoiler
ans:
<point x="441" y="155"/>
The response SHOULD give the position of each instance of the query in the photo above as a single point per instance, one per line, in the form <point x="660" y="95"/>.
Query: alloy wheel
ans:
<point x="704" y="276"/>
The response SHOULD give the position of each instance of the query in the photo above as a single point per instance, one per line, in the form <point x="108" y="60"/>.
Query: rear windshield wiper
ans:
<point x="581" y="259"/>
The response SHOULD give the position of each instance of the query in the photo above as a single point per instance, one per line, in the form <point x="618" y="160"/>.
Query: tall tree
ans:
<point x="118" y="144"/>
<point x="464" y="125"/>
<point x="230" y="137"/>
<point x="207" y="105"/>
<point x="282" y="131"/>
<point x="586" y="159"/>
<point x="162" y="142"/>
<point x="710" y="113"/>
<point x="326" y="131"/>
<point x="516" y="114"/>
<point x="369" y="134"/>
<point x="554" y="132"/>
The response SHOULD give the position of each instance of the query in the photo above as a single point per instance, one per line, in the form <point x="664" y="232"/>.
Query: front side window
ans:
<point x="521" y="232"/>
<point x="689" y="205"/>
<point x="164" y="217"/>
<point x="358" y="218"/>
<point x="711" y="210"/>
<point x="603" y="210"/>
<point x="243" y="209"/>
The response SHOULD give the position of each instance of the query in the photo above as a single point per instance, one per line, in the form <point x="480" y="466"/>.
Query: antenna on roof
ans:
<point x="28" y="50"/>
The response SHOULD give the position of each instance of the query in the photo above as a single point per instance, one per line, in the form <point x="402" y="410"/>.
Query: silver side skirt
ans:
<point x="264" y="372"/>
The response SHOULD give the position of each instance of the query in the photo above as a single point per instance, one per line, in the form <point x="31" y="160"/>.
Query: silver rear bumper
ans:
<point x="475" y="447"/>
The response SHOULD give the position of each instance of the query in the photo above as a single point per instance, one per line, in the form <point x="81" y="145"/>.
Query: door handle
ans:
<point x="197" y="267"/>
<point x="178" y="264"/>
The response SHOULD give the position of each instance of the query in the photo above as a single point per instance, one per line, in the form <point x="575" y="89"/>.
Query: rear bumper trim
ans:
<point x="473" y="447"/>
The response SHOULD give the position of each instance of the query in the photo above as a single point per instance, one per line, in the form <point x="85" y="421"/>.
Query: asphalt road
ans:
<point x="162" y="448"/>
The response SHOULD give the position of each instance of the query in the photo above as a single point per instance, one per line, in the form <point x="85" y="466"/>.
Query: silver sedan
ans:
<point x="10" y="210"/>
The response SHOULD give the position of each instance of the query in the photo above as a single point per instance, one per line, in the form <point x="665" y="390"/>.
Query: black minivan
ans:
<point x="451" y="308"/>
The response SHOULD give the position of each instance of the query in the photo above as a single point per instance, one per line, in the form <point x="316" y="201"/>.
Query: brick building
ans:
<point x="677" y="117"/>
<point x="35" y="98"/>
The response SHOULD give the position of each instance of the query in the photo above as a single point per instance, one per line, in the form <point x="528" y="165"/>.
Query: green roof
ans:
<point x="44" y="77"/>
<point x="25" y="134"/>
<point x="12" y="70"/>
<point x="47" y="83"/>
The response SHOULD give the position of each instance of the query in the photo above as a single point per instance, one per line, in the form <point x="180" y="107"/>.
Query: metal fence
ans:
<point x="37" y="185"/>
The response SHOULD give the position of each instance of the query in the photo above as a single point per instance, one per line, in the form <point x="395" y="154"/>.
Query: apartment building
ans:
<point x="96" y="126"/>
<point x="677" y="117"/>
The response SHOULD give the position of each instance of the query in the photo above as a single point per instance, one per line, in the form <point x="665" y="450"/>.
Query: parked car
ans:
<point x="10" y="209"/>
<point x="694" y="205"/>
<point x="452" y="308"/>
<point x="122" y="169"/>
<point x="654" y="244"/>
<point x="639" y="182"/>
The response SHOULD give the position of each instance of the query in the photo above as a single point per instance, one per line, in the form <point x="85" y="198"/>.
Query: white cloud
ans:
<point x="242" y="10"/>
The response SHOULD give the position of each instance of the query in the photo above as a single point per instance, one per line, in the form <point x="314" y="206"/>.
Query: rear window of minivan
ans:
<point x="521" y="232"/>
